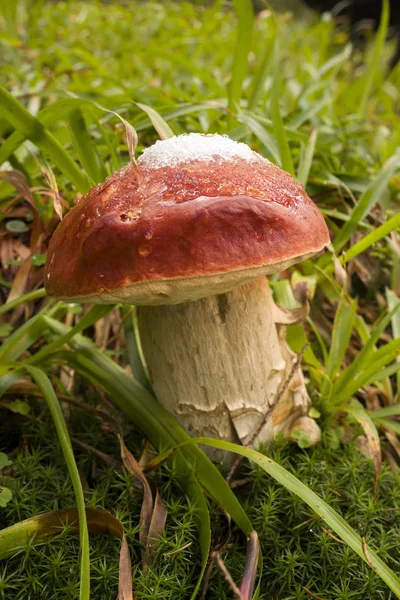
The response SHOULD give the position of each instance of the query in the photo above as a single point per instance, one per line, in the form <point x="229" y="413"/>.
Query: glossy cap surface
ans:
<point x="201" y="215"/>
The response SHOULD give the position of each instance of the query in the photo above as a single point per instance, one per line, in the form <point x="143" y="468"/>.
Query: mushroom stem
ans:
<point x="217" y="364"/>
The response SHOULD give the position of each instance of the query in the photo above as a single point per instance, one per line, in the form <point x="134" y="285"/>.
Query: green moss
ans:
<point x="294" y="557"/>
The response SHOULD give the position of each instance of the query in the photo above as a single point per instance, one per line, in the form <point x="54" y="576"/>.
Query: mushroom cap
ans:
<point x="200" y="215"/>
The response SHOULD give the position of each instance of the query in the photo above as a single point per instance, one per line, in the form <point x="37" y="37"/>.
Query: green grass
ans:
<point x="313" y="105"/>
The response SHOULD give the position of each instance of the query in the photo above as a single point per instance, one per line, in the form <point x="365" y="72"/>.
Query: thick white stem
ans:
<point x="218" y="364"/>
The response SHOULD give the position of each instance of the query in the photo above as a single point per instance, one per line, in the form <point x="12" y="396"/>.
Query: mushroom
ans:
<point x="188" y="236"/>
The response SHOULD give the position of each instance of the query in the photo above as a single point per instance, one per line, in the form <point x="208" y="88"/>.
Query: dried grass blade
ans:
<point x="146" y="512"/>
<point x="159" y="124"/>
<point x="20" y="281"/>
<point x="156" y="529"/>
<point x="125" y="572"/>
<point x="356" y="409"/>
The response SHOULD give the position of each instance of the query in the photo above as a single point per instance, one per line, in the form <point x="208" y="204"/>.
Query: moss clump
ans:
<point x="296" y="554"/>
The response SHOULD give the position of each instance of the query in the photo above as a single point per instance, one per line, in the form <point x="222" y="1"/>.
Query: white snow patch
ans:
<point x="195" y="146"/>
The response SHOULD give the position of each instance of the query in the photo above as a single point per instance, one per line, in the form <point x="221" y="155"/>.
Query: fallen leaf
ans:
<point x="340" y="273"/>
<point x="125" y="572"/>
<point x="19" y="182"/>
<point x="304" y="286"/>
<point x="156" y="529"/>
<point x="393" y="439"/>
<point x="20" y="281"/>
<point x="290" y="316"/>
<point x="146" y="512"/>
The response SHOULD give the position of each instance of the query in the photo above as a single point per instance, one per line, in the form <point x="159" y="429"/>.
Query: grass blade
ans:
<point x="263" y="135"/>
<point x="366" y="242"/>
<point x="373" y="69"/>
<point x="49" y="394"/>
<point x="29" y="297"/>
<point x="245" y="14"/>
<point x="356" y="409"/>
<point x="262" y="73"/>
<point x="286" y="161"/>
<point x="97" y="312"/>
<point x="386" y="411"/>
<point x="85" y="147"/>
<point x="22" y="338"/>
<point x="10" y="145"/>
<point x="328" y="514"/>
<point x="161" y="126"/>
<point x="371" y="374"/>
<point x="31" y="128"/>
<point x="366" y="352"/>
<point x="393" y="301"/>
<point x="342" y="330"/>
<point x="367" y="200"/>
<point x="132" y="341"/>
<point x="390" y="424"/>
<point x="306" y="158"/>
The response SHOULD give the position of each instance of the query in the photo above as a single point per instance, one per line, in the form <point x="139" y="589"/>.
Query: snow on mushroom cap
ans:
<point x="195" y="146"/>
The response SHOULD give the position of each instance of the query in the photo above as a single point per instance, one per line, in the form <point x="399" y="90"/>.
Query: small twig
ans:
<point x="334" y="492"/>
<point x="179" y="549"/>
<point x="366" y="554"/>
<point x="108" y="460"/>
<point x="211" y="560"/>
<point x="312" y="594"/>
<point x="278" y="398"/>
<point x="228" y="577"/>
<point x="306" y="522"/>
<point x="332" y="536"/>
<point x="239" y="483"/>
<point x="206" y="578"/>
<point x="98" y="412"/>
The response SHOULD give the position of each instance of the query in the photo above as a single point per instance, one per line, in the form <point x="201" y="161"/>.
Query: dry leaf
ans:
<point x="125" y="572"/>
<point x="102" y="329"/>
<point x="147" y="455"/>
<point x="20" y="281"/>
<point x="156" y="530"/>
<point x="19" y="182"/>
<point x="132" y="466"/>
<point x="290" y="316"/>
<point x="394" y="440"/>
<point x="108" y="460"/>
<point x="303" y="286"/>
<point x="340" y="273"/>
<point x="52" y="183"/>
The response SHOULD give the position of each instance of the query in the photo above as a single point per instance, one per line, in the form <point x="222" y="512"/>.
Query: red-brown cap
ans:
<point x="201" y="215"/>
